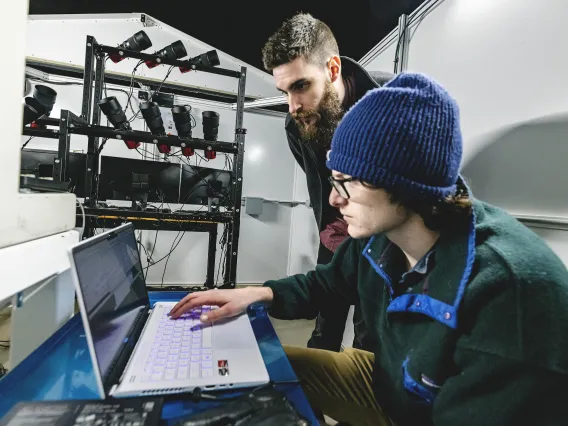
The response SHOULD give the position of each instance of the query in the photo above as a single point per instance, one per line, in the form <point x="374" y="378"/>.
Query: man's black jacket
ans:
<point x="312" y="158"/>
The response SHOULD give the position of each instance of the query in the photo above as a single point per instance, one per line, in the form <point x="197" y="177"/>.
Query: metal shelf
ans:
<point x="88" y="123"/>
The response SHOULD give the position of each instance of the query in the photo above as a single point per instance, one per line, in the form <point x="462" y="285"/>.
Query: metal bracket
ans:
<point x="263" y="102"/>
<point x="401" y="60"/>
<point x="32" y="72"/>
<point x="147" y="21"/>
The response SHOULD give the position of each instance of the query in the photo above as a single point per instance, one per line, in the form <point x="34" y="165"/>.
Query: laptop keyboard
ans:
<point x="182" y="349"/>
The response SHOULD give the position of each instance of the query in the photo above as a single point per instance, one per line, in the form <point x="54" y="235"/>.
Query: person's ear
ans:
<point x="334" y="68"/>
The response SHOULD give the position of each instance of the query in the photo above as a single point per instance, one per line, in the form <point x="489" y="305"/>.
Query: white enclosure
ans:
<point x="503" y="61"/>
<point x="268" y="166"/>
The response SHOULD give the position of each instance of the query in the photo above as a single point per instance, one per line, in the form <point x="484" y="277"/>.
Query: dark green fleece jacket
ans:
<point x="482" y="339"/>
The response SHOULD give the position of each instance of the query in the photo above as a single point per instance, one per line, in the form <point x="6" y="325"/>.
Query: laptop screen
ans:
<point x="114" y="292"/>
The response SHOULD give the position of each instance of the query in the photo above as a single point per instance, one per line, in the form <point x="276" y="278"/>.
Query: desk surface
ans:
<point x="61" y="368"/>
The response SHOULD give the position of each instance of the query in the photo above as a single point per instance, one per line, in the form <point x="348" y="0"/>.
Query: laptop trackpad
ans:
<point x="228" y="334"/>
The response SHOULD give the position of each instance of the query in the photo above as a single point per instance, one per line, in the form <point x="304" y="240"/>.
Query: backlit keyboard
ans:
<point x="181" y="349"/>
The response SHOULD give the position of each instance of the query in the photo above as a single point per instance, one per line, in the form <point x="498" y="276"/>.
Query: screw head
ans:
<point x="234" y="253"/>
<point x="239" y="179"/>
<point x="57" y="161"/>
<point x="183" y="144"/>
<point x="155" y="140"/>
<point x="62" y="119"/>
<point x="89" y="169"/>
<point x="158" y="60"/>
<point x="119" y="136"/>
<point x="209" y="148"/>
<point x="238" y="210"/>
<point x="88" y="44"/>
<point x="120" y="52"/>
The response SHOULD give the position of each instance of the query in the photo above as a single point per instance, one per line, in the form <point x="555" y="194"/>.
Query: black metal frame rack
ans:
<point x="88" y="123"/>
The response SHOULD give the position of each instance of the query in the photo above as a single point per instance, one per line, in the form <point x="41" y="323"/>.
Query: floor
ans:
<point x="293" y="332"/>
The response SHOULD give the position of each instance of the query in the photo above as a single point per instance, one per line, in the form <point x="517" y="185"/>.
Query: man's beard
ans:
<point x="326" y="119"/>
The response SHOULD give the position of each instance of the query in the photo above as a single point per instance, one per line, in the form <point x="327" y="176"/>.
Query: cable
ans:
<point x="172" y="248"/>
<point x="58" y="83"/>
<point x="131" y="91"/>
<point x="205" y="182"/>
<point x="162" y="83"/>
<point x="162" y="258"/>
<point x="223" y="255"/>
<point x="102" y="145"/>
<point x="104" y="80"/>
<point x="27" y="142"/>
<point x="168" y="259"/>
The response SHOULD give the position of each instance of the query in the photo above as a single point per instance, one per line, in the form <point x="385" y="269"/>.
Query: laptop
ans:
<point x="137" y="349"/>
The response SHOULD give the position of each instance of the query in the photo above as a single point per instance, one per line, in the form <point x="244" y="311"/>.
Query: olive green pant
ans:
<point x="339" y="384"/>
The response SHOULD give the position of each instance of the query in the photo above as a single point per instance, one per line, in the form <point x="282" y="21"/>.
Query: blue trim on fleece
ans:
<point x="377" y="268"/>
<point x="427" y="395"/>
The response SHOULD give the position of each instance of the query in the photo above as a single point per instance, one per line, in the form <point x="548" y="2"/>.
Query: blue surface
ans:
<point x="61" y="369"/>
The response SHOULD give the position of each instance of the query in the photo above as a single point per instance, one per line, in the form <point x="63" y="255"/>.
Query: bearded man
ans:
<point x="321" y="86"/>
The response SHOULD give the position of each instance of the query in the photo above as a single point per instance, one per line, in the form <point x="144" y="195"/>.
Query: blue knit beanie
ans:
<point x="405" y="134"/>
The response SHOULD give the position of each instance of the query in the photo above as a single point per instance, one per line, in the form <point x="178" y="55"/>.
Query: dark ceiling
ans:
<point x="240" y="28"/>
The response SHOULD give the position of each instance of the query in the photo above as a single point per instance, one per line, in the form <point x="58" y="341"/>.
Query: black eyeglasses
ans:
<point x="339" y="185"/>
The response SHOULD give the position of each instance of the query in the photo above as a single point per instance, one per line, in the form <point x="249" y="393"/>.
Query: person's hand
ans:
<point x="230" y="302"/>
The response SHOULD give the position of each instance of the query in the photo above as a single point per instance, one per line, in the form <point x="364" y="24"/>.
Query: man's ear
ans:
<point x="334" y="67"/>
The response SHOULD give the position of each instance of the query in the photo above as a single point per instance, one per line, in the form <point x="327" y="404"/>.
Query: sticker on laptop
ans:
<point x="223" y="365"/>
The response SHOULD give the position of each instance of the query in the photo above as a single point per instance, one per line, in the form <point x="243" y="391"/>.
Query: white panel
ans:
<point x="45" y="257"/>
<point x="62" y="38"/>
<point x="501" y="62"/>
<point x="45" y="310"/>
<point x="304" y="235"/>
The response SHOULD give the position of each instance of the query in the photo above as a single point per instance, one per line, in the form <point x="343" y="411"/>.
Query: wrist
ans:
<point x="265" y="294"/>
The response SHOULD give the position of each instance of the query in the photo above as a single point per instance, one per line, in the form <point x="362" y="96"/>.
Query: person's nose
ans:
<point x="336" y="200"/>
<point x="294" y="104"/>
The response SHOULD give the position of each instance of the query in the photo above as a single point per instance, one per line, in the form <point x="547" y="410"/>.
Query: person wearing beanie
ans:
<point x="467" y="308"/>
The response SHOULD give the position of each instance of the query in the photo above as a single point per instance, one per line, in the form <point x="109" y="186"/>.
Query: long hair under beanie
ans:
<point x="405" y="134"/>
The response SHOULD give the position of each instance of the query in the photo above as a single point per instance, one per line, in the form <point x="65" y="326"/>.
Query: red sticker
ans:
<point x="223" y="363"/>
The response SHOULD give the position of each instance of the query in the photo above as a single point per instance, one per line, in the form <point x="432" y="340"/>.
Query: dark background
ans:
<point x="240" y="28"/>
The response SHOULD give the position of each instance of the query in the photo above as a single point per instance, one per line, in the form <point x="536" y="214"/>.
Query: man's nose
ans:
<point x="294" y="104"/>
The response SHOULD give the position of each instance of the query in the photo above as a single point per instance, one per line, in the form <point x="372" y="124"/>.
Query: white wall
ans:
<point x="268" y="164"/>
<point x="304" y="234"/>
<point x="501" y="60"/>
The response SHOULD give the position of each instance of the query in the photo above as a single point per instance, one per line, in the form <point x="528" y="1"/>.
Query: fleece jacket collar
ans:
<point x="454" y="256"/>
